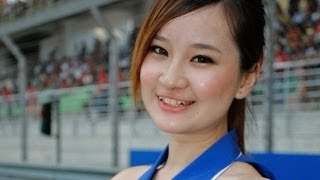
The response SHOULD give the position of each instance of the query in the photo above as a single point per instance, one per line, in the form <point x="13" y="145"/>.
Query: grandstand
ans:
<point x="62" y="52"/>
<point x="297" y="30"/>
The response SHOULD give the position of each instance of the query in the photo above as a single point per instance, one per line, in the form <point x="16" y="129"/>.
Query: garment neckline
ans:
<point x="209" y="163"/>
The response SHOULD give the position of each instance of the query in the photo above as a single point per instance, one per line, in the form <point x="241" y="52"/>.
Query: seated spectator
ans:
<point x="297" y="31"/>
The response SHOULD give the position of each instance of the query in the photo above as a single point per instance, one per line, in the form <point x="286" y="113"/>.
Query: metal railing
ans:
<point x="296" y="86"/>
<point x="79" y="124"/>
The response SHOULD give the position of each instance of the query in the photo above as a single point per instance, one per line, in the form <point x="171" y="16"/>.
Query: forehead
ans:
<point x="205" y="25"/>
<point x="211" y="17"/>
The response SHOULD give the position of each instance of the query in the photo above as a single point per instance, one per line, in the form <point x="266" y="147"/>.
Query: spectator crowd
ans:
<point x="68" y="72"/>
<point x="297" y="38"/>
<point x="298" y="30"/>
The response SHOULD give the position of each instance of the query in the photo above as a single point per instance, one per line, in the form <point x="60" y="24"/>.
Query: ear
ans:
<point x="248" y="81"/>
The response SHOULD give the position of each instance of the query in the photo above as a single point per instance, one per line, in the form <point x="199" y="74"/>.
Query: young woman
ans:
<point x="194" y="62"/>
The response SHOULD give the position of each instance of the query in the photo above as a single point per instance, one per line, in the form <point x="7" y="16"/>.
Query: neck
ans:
<point x="183" y="149"/>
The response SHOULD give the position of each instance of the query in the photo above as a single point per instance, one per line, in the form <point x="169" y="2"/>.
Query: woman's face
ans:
<point x="191" y="73"/>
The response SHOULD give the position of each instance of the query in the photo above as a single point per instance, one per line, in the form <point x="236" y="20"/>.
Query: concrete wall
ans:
<point x="83" y="30"/>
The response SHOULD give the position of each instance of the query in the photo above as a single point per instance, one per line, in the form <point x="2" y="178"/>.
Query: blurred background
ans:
<point x="65" y="104"/>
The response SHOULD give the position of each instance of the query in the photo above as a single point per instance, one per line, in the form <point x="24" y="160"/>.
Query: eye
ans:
<point x="159" y="50"/>
<point x="202" y="59"/>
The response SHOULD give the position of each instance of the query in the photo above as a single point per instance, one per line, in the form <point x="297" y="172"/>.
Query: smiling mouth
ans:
<point x="174" y="102"/>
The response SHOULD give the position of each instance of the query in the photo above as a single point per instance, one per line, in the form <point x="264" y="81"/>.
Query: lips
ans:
<point x="175" y="102"/>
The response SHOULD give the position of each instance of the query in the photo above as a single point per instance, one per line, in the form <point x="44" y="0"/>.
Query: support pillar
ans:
<point x="22" y="83"/>
<point x="113" y="85"/>
<point x="269" y="56"/>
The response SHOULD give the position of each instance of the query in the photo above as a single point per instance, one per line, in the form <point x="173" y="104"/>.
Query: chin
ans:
<point x="168" y="126"/>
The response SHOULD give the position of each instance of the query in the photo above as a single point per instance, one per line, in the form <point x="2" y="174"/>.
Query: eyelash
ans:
<point x="197" y="59"/>
<point x="159" y="50"/>
<point x="202" y="59"/>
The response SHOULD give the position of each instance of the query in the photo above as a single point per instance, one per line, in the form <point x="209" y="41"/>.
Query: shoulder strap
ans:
<point x="148" y="175"/>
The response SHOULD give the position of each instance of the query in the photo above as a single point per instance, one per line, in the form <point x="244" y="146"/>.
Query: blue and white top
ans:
<point x="211" y="163"/>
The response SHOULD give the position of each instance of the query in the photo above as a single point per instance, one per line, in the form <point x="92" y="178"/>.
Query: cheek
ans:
<point x="148" y="74"/>
<point x="217" y="85"/>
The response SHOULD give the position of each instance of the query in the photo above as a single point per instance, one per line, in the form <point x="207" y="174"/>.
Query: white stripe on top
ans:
<point x="224" y="169"/>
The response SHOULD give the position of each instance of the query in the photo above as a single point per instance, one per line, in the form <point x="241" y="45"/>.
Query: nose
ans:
<point x="173" y="77"/>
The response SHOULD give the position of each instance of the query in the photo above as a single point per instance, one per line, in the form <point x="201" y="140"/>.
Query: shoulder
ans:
<point x="241" y="170"/>
<point x="131" y="173"/>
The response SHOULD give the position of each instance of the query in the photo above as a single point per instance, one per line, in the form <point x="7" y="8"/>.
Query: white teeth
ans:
<point x="174" y="102"/>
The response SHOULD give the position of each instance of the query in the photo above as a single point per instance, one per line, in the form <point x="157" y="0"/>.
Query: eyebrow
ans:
<point x="206" y="46"/>
<point x="195" y="45"/>
<point x="160" y="38"/>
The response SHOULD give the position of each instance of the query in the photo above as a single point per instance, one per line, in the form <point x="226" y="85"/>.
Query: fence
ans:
<point x="81" y="133"/>
<point x="85" y="134"/>
<point x="296" y="86"/>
